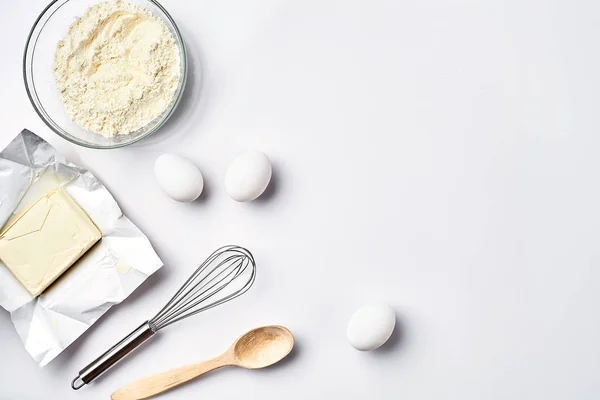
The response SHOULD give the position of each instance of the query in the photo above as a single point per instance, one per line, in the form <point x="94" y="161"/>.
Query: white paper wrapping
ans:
<point x="104" y="276"/>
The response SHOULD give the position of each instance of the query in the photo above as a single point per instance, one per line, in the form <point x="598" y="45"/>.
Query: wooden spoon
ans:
<point x="259" y="348"/>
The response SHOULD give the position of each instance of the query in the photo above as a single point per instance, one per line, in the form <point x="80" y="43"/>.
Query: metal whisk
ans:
<point x="226" y="274"/>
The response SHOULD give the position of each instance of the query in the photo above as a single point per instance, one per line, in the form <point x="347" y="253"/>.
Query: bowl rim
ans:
<point x="163" y="118"/>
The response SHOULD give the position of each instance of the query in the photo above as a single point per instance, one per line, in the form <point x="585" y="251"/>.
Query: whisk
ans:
<point x="226" y="274"/>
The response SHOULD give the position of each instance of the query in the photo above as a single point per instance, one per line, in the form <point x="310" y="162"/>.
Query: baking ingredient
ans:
<point x="91" y="287"/>
<point x="371" y="326"/>
<point x="46" y="240"/>
<point x="178" y="177"/>
<point x="117" y="69"/>
<point x="248" y="176"/>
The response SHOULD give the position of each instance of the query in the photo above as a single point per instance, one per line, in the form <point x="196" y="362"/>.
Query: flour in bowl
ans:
<point x="117" y="68"/>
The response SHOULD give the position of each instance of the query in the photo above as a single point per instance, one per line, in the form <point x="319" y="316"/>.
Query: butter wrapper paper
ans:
<point x="108" y="273"/>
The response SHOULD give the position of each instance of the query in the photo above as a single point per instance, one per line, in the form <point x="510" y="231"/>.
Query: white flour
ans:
<point x="117" y="68"/>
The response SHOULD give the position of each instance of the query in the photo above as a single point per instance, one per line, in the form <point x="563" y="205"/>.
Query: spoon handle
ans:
<point x="152" y="385"/>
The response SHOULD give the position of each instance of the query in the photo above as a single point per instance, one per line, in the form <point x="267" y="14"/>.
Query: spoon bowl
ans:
<point x="262" y="347"/>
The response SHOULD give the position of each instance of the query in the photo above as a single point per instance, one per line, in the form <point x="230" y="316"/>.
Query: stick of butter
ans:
<point x="46" y="240"/>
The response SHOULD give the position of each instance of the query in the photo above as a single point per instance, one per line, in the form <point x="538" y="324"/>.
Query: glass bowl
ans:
<point x="51" y="27"/>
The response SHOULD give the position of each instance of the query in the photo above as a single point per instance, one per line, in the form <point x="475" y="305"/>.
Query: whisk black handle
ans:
<point x="114" y="355"/>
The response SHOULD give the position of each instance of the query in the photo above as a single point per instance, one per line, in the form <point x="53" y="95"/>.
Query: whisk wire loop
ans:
<point x="223" y="268"/>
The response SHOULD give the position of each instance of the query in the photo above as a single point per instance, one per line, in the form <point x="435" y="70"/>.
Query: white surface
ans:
<point x="441" y="155"/>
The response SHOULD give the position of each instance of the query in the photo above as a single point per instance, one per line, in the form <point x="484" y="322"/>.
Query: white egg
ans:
<point x="371" y="326"/>
<point x="248" y="176"/>
<point x="178" y="177"/>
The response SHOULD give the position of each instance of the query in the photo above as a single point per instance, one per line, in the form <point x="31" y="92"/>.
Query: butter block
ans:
<point x="46" y="240"/>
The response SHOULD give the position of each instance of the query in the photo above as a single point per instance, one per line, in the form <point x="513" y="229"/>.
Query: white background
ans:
<point x="441" y="155"/>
